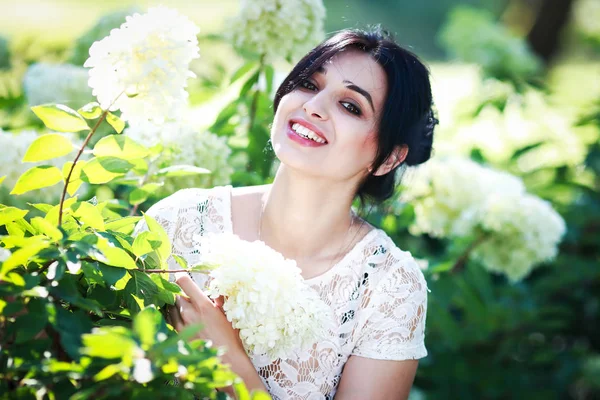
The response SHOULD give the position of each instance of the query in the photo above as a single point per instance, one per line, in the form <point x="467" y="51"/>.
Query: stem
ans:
<point x="462" y="260"/>
<point x="158" y="271"/>
<point x="86" y="141"/>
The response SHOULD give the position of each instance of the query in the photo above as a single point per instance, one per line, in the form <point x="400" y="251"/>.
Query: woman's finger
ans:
<point x="191" y="289"/>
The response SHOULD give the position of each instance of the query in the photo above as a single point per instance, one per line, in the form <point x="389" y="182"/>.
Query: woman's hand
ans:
<point x="199" y="308"/>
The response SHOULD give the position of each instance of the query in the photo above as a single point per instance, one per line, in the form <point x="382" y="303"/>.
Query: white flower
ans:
<point x="4" y="254"/>
<point x="266" y="297"/>
<point x="13" y="168"/>
<point x="57" y="83"/>
<point x="279" y="28"/>
<point x="142" y="370"/>
<point x="448" y="194"/>
<point x="499" y="134"/>
<point x="460" y="198"/>
<point x="145" y="64"/>
<point x="202" y="149"/>
<point x="525" y="231"/>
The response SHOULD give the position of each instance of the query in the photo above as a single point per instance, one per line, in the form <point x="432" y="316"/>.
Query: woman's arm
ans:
<point x="199" y="308"/>
<point x="367" y="378"/>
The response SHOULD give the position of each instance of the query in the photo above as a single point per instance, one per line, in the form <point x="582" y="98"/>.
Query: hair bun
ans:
<point x="420" y="150"/>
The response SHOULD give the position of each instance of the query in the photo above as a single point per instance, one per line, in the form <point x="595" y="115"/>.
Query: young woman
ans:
<point x="350" y="114"/>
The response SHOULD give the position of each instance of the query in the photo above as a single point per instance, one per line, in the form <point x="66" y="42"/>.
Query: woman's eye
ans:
<point x="351" y="108"/>
<point x="308" y="85"/>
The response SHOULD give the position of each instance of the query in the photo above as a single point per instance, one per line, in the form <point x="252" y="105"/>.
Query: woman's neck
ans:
<point x="304" y="218"/>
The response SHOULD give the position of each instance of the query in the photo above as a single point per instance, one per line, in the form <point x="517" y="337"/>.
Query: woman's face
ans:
<point x="327" y="127"/>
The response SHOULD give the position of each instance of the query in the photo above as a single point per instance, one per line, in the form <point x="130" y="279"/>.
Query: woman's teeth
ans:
<point x="306" y="133"/>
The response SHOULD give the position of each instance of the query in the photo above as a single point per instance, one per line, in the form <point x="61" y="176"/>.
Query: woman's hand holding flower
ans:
<point x="198" y="308"/>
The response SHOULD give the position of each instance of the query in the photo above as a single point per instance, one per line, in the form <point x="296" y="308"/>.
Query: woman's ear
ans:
<point x="398" y="155"/>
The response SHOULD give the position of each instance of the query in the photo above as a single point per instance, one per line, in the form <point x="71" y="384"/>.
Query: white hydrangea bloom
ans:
<point x="13" y="167"/>
<point x="142" y="370"/>
<point x="526" y="231"/>
<point x="279" y="28"/>
<point x="459" y="198"/>
<point x="57" y="83"/>
<point x="202" y="149"/>
<point x="498" y="134"/>
<point x="448" y="194"/>
<point x="266" y="297"/>
<point x="149" y="57"/>
<point x="4" y="254"/>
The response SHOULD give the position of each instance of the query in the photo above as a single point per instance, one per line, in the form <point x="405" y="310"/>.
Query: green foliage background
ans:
<point x="487" y="338"/>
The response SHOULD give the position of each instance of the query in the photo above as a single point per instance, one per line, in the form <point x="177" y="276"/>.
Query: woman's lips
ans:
<point x="293" y="135"/>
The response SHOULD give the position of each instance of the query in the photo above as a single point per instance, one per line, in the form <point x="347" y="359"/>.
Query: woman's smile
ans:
<point x="308" y="136"/>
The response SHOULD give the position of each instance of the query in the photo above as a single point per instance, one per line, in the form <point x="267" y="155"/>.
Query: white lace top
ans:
<point x="377" y="293"/>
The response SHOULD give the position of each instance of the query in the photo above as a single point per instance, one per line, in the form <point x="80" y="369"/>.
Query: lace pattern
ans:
<point x="377" y="294"/>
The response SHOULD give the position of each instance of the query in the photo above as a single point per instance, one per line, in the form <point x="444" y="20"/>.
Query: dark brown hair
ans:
<point x="407" y="117"/>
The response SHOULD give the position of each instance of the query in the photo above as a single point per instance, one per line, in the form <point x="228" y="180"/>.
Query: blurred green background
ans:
<point x="517" y="86"/>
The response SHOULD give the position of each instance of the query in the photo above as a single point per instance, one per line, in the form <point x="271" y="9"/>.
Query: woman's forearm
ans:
<point x="243" y="367"/>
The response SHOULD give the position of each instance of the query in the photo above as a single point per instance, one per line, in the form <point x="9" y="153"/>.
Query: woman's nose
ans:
<point x="315" y="107"/>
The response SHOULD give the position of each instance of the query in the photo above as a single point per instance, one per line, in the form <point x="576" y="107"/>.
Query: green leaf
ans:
<point x="146" y="242"/>
<point x="109" y="371"/>
<point x="117" y="123"/>
<point x="269" y="75"/>
<point x="10" y="214"/>
<point x="43" y="207"/>
<point x="22" y="256"/>
<point x="141" y="286"/>
<point x="120" y="147"/>
<point x="108" y="342"/>
<point x="181" y="170"/>
<point x="146" y="325"/>
<point x="73" y="326"/>
<point x="138" y="196"/>
<point x="88" y="214"/>
<point x="243" y="70"/>
<point x="114" y="256"/>
<point x="90" y="110"/>
<point x="104" y="169"/>
<point x="249" y="83"/>
<point x="47" y="147"/>
<point x="37" y="178"/>
<point x="44" y="227"/>
<point x="123" y="225"/>
<point x="60" y="118"/>
<point x="164" y="250"/>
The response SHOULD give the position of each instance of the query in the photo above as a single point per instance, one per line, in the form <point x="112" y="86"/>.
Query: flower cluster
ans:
<point x="265" y="296"/>
<point x="455" y="197"/>
<point x="526" y="230"/>
<point x="13" y="167"/>
<point x="279" y="28"/>
<point x="143" y="66"/>
<point x="447" y="194"/>
<point x="202" y="149"/>
<point x="57" y="83"/>
<point x="555" y="139"/>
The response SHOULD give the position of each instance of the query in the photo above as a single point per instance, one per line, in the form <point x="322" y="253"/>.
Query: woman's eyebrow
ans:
<point x="362" y="91"/>
<point x="351" y="86"/>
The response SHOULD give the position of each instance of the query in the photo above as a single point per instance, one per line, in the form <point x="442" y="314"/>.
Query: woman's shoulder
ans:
<point x="387" y="262"/>
<point x="214" y="200"/>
